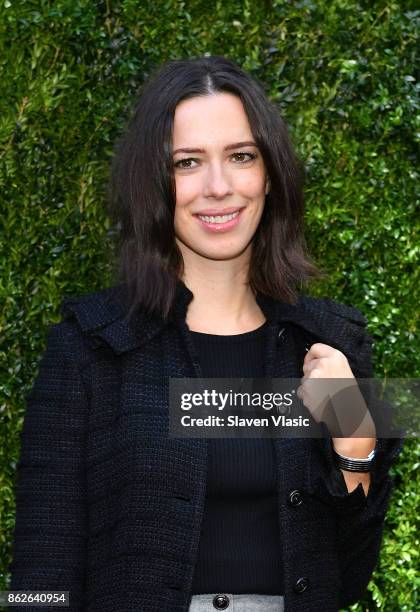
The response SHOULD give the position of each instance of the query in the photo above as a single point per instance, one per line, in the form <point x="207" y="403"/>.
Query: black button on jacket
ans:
<point x="110" y="509"/>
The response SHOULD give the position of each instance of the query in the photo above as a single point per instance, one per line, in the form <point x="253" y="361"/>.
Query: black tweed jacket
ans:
<point x="109" y="508"/>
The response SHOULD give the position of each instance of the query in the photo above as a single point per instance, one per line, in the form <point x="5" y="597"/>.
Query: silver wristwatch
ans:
<point x="352" y="464"/>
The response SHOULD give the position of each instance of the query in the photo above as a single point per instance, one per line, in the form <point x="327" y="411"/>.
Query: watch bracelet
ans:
<point x="353" y="464"/>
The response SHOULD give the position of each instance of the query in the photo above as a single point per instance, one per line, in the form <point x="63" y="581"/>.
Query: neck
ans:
<point x="223" y="304"/>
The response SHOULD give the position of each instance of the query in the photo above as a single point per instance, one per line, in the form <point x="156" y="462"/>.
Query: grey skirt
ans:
<point x="210" y="602"/>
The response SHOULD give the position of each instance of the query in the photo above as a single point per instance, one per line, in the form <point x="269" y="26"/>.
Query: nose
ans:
<point x="217" y="183"/>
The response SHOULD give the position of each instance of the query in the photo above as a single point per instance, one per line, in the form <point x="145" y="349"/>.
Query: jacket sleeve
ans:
<point x="49" y="548"/>
<point x="360" y="518"/>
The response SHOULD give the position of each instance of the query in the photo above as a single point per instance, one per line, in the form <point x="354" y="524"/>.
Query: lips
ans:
<point x="209" y="223"/>
<point x="217" y="212"/>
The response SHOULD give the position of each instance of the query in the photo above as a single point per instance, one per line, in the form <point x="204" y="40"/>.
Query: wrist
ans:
<point x="355" y="459"/>
<point x="358" y="448"/>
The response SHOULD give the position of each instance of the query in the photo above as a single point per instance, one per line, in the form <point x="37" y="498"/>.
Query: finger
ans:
<point x="308" y="367"/>
<point x="318" y="350"/>
<point x="315" y="372"/>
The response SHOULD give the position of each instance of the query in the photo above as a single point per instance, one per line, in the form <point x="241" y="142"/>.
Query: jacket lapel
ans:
<point x="102" y="316"/>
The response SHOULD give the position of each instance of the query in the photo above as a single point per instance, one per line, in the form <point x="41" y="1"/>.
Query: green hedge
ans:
<point x="341" y="72"/>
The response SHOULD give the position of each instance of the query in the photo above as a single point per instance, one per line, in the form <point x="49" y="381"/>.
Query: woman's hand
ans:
<point x="325" y="362"/>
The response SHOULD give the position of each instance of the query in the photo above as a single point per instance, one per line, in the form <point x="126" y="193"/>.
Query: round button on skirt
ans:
<point x="210" y="602"/>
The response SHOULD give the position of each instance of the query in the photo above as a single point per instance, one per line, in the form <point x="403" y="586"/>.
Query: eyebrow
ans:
<point x="236" y="145"/>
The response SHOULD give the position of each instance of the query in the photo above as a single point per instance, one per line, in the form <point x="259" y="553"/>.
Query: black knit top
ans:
<point x="239" y="549"/>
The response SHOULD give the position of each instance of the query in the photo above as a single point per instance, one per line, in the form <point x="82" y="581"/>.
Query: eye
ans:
<point x="242" y="153"/>
<point x="184" y="163"/>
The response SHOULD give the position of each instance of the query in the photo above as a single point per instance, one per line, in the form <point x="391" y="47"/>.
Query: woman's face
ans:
<point x="220" y="178"/>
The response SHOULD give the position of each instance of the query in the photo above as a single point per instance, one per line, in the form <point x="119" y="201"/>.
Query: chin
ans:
<point x="223" y="254"/>
<point x="214" y="248"/>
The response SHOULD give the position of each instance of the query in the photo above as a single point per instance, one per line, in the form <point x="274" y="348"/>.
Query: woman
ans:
<point x="207" y="191"/>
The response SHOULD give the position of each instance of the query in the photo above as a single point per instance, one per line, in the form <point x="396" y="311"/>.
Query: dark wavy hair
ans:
<point x="141" y="189"/>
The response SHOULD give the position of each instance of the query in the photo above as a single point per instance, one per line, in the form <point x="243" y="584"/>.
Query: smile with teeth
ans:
<point x="218" y="218"/>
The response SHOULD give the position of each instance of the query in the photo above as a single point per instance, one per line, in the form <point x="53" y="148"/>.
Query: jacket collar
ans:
<point x="102" y="315"/>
